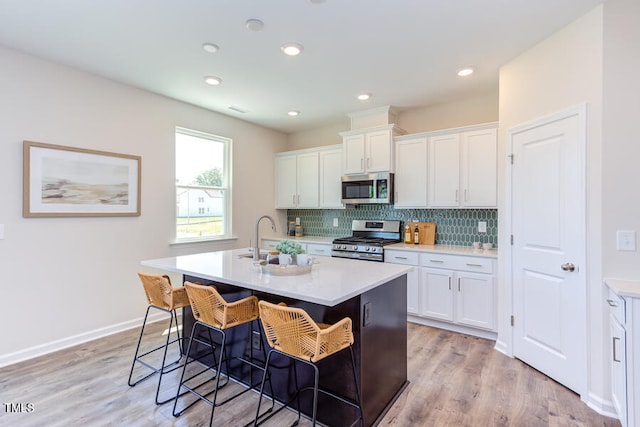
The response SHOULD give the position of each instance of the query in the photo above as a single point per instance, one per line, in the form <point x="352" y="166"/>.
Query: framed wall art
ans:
<point x="68" y="181"/>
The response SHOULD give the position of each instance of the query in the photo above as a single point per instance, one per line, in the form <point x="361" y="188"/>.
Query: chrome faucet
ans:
<point x="256" y="242"/>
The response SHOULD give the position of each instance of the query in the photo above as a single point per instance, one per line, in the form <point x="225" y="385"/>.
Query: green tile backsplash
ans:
<point x="453" y="226"/>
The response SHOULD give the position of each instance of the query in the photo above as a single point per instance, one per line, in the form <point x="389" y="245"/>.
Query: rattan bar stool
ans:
<point x="293" y="333"/>
<point x="163" y="297"/>
<point x="213" y="313"/>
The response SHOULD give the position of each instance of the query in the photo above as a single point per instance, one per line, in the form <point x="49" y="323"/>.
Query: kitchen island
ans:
<point x="372" y="294"/>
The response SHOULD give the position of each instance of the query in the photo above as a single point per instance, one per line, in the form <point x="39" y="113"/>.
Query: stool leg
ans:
<point x="355" y="381"/>
<point x="264" y="378"/>
<point x="219" y="373"/>
<point x="315" y="392"/>
<point x="184" y="369"/>
<point x="135" y="357"/>
<point x="164" y="358"/>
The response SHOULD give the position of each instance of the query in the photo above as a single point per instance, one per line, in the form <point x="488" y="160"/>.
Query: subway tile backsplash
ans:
<point x="453" y="226"/>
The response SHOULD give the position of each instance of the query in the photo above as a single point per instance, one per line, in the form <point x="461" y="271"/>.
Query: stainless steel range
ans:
<point x="368" y="240"/>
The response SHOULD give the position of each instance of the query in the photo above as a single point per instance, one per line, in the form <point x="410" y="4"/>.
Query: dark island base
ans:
<point x="379" y="319"/>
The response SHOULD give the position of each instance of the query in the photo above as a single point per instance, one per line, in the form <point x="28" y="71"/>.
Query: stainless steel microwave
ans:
<point x="367" y="189"/>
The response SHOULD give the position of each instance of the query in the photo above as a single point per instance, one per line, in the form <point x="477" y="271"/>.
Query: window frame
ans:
<point x="226" y="188"/>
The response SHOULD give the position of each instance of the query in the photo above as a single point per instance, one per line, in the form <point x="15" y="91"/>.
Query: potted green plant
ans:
<point x="288" y="250"/>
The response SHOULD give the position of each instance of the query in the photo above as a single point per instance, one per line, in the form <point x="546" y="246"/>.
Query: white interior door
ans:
<point x="548" y="251"/>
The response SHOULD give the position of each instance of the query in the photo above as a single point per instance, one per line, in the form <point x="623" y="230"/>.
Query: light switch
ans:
<point x="1" y="231"/>
<point x="626" y="240"/>
<point x="482" y="226"/>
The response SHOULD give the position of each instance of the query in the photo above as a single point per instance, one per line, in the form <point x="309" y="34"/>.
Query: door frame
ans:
<point x="506" y="345"/>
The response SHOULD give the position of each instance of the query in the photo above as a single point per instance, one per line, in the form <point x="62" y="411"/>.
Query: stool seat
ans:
<point x="162" y="296"/>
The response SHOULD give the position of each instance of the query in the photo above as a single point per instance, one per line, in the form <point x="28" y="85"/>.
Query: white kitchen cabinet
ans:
<point x="368" y="150"/>
<point x="309" y="179"/>
<point x="413" y="276"/>
<point x="460" y="289"/>
<point x="269" y="244"/>
<point x="623" y="301"/>
<point x="451" y="289"/>
<point x="330" y="173"/>
<point x="320" y="249"/>
<point x="463" y="169"/>
<point x="410" y="179"/>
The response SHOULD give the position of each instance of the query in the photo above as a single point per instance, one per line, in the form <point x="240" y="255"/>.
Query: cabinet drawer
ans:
<point x="439" y="261"/>
<point x="402" y="257"/>
<point x="616" y="307"/>
<point x="476" y="264"/>
<point x="318" y="249"/>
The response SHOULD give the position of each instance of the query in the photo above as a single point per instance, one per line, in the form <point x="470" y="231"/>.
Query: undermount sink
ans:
<point x="263" y="255"/>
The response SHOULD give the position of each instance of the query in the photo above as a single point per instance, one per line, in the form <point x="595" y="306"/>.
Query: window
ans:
<point x="203" y="186"/>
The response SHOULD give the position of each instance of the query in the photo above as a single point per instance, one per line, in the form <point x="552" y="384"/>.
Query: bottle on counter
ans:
<point x="298" y="231"/>
<point x="416" y="233"/>
<point x="292" y="228"/>
<point x="407" y="234"/>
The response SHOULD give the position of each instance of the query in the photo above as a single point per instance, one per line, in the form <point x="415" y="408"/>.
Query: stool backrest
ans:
<point x="157" y="289"/>
<point x="292" y="331"/>
<point x="210" y="307"/>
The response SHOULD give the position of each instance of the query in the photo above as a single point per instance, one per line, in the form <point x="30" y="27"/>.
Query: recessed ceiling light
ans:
<point x="293" y="113"/>
<point x="213" y="80"/>
<point x="465" y="72"/>
<point x="254" y="24"/>
<point x="292" y="49"/>
<point x="364" y="96"/>
<point x="210" y="47"/>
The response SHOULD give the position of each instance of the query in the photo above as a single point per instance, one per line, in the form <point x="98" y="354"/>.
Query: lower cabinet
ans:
<point x="453" y="289"/>
<point x="623" y="349"/>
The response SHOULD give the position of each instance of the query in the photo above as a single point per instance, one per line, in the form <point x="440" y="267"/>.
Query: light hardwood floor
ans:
<point x="455" y="380"/>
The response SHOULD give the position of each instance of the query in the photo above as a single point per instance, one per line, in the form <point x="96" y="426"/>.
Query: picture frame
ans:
<point x="60" y="181"/>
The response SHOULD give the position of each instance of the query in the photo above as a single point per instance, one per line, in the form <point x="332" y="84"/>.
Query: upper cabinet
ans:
<point x="308" y="179"/>
<point x="410" y="179"/>
<point x="463" y="169"/>
<point x="368" y="150"/>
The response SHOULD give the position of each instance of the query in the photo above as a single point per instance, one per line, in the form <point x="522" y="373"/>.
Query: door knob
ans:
<point x="567" y="266"/>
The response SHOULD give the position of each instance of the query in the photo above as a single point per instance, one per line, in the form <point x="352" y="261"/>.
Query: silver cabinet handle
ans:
<point x="298" y="199"/>
<point x="400" y="257"/>
<point x="465" y="194"/>
<point x="436" y="260"/>
<point x="612" y="303"/>
<point x="368" y="162"/>
<point x="456" y="195"/>
<point x="293" y="199"/>
<point x="567" y="266"/>
<point x="458" y="284"/>
<point x="474" y="265"/>
<point x="449" y="282"/>
<point x="615" y="359"/>
<point x="361" y="162"/>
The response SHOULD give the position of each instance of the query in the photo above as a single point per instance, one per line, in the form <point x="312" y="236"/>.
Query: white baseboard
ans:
<point x="453" y="327"/>
<point x="602" y="406"/>
<point x="50" y="347"/>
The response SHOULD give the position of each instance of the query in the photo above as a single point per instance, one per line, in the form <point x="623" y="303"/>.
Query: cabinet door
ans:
<point x="286" y="178"/>
<point x="618" y="369"/>
<point x="413" y="291"/>
<point x="378" y="151"/>
<point x="479" y="168"/>
<point x="307" y="180"/>
<point x="444" y="170"/>
<point x="436" y="294"/>
<point x="353" y="151"/>
<point x="475" y="300"/>
<point x="411" y="173"/>
<point x="330" y="173"/>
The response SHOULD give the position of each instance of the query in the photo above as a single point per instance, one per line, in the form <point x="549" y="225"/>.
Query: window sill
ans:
<point x="202" y="241"/>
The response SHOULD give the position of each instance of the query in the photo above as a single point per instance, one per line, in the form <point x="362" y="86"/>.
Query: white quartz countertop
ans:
<point x="624" y="288"/>
<point x="330" y="282"/>
<point x="444" y="249"/>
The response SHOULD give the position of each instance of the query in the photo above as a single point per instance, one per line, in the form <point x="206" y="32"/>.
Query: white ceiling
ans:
<point x="404" y="52"/>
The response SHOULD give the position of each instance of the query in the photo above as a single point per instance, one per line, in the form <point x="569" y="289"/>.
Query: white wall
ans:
<point x="470" y="111"/>
<point x="621" y="154"/>
<point x="560" y="72"/>
<point x="66" y="279"/>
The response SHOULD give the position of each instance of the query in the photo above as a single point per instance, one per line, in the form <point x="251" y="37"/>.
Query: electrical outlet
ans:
<point x="297" y="221"/>
<point x="482" y="226"/>
<point x="335" y="222"/>
<point x="626" y="240"/>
